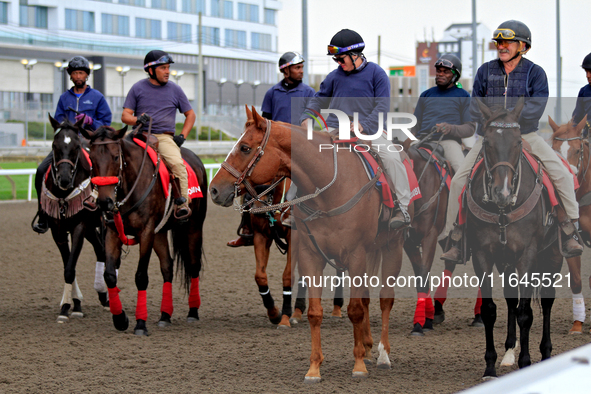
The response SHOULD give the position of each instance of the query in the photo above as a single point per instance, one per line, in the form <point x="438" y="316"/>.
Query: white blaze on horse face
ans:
<point x="67" y="140"/>
<point x="564" y="149"/>
<point x="234" y="147"/>
<point x="500" y="131"/>
<point x="506" y="192"/>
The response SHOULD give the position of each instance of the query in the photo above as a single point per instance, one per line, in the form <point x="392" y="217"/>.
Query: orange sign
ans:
<point x="403" y="71"/>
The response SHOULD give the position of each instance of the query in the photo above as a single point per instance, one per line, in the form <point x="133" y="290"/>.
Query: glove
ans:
<point x="179" y="139"/>
<point x="87" y="119"/>
<point x="143" y="119"/>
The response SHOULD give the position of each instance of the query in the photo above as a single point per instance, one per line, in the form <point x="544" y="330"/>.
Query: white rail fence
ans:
<point x="31" y="173"/>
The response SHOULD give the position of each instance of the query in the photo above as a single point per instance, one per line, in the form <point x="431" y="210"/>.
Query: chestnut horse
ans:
<point x="63" y="192"/>
<point x="130" y="194"/>
<point x="505" y="228"/>
<point x="326" y="180"/>
<point x="573" y="147"/>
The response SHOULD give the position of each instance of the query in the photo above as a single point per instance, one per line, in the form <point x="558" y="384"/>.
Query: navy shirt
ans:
<point x="91" y="103"/>
<point x="583" y="106"/>
<point x="278" y="102"/>
<point x="438" y="105"/>
<point x="371" y="88"/>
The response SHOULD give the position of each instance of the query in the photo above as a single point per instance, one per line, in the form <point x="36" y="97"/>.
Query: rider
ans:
<point x="159" y="99"/>
<point x="277" y="106"/>
<point x="79" y="102"/>
<point x="512" y="76"/>
<point x="349" y="88"/>
<point x="583" y="106"/>
<point x="447" y="108"/>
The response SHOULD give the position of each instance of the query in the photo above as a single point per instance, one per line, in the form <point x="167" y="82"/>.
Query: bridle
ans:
<point x="581" y="154"/>
<point x="67" y="161"/>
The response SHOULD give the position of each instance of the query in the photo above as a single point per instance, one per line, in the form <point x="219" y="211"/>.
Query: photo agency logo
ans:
<point x="345" y="122"/>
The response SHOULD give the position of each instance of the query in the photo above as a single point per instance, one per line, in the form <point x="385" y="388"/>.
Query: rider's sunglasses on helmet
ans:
<point x="166" y="59"/>
<point x="340" y="60"/>
<point x="333" y="49"/>
<point x="504" y="43"/>
<point x="504" y="34"/>
<point x="444" y="63"/>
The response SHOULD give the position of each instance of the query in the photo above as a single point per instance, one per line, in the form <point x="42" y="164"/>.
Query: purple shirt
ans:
<point x="159" y="102"/>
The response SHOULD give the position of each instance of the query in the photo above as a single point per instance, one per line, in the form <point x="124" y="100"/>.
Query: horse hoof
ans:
<point x="508" y="358"/>
<point x="428" y="325"/>
<point x="439" y="318"/>
<point x="191" y="319"/>
<point x="283" y="327"/>
<point x="293" y="321"/>
<point x="61" y="319"/>
<point x="359" y="375"/>
<point x="77" y="314"/>
<point x="577" y="328"/>
<point x="164" y="324"/>
<point x="383" y="366"/>
<point x="487" y="378"/>
<point x="417" y="331"/>
<point x="477" y="322"/>
<point x="141" y="332"/>
<point x="121" y="321"/>
<point x="312" y="379"/>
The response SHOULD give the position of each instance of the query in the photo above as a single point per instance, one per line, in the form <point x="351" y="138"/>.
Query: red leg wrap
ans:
<point x="478" y="303"/>
<point x="441" y="292"/>
<point x="114" y="301"/>
<point x="420" y="310"/>
<point x="141" y="309"/>
<point x="194" y="296"/>
<point x="166" y="305"/>
<point x="429" y="308"/>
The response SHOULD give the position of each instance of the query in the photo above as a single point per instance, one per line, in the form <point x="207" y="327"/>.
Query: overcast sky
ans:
<point x="402" y="23"/>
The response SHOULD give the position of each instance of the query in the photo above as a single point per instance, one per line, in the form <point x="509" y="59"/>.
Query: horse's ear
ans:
<point x="518" y="107"/>
<point x="248" y="113"/>
<point x="552" y="124"/>
<point x="581" y="125"/>
<point x="54" y="123"/>
<point x="79" y="123"/>
<point x="120" y="133"/>
<point x="406" y="144"/>
<point x="486" y="113"/>
<point x="259" y="121"/>
<point x="86" y="133"/>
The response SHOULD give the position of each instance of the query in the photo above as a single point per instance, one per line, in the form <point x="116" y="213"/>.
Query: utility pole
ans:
<point x="558" y="113"/>
<point x="305" y="37"/>
<point x="474" y="42"/>
<point x="199" y="81"/>
<point x="379" y="49"/>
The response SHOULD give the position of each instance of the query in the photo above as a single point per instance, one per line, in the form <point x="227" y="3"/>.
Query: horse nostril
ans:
<point x="213" y="191"/>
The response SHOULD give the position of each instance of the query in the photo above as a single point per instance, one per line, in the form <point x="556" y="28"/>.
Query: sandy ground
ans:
<point x="233" y="348"/>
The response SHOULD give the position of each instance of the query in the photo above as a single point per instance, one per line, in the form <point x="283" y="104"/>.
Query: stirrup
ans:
<point x="41" y="226"/>
<point x="182" y="211"/>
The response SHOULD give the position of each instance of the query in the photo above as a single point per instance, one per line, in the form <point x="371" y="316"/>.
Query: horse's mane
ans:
<point x="499" y="113"/>
<point x="103" y="132"/>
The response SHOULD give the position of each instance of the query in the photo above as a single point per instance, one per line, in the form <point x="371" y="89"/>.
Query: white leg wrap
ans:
<point x="579" y="307"/>
<point x="67" y="296"/>
<point x="99" y="277"/>
<point x="76" y="293"/>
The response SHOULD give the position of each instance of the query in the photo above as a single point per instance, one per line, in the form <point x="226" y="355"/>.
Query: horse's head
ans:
<point x="502" y="151"/>
<point x="248" y="161"/>
<point x="66" y="152"/>
<point x="568" y="140"/>
<point x="107" y="163"/>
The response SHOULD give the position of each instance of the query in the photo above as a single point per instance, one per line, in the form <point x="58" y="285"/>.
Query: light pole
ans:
<point x="238" y="84"/>
<point x="28" y="64"/>
<point x="255" y="84"/>
<point x="122" y="71"/>
<point x="177" y="75"/>
<point x="221" y="83"/>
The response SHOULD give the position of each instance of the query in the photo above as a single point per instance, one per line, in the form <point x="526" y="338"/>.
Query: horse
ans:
<point x="130" y="195"/>
<point x="64" y="190"/>
<point x="505" y="219"/>
<point x="355" y="245"/>
<point x="569" y="142"/>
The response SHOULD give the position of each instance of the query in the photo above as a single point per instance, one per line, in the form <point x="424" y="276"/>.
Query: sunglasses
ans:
<point x="333" y="49"/>
<point x="340" y="60"/>
<point x="504" y="43"/>
<point x="505" y="34"/>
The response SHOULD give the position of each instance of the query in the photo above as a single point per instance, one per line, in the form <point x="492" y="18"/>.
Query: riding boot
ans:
<point x="245" y="236"/>
<point x="454" y="254"/>
<point x="401" y="219"/>
<point x="572" y="246"/>
<point x="182" y="209"/>
<point x="42" y="224"/>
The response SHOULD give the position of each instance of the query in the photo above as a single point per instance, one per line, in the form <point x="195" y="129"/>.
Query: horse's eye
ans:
<point x="245" y="149"/>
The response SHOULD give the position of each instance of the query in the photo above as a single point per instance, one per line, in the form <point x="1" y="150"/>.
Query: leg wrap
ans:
<point x="166" y="305"/>
<point x="579" y="307"/>
<point x="114" y="301"/>
<point x="194" y="296"/>
<point x="286" y="309"/>
<point x="429" y="308"/>
<point x="67" y="296"/>
<point x="338" y="296"/>
<point x="76" y="293"/>
<point x="141" y="309"/>
<point x="99" y="277"/>
<point x="267" y="297"/>
<point x="301" y="297"/>
<point x="420" y="310"/>
<point x="441" y="292"/>
<point x="478" y="303"/>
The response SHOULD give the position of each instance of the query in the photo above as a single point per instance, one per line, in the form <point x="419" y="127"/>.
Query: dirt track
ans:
<point x="233" y="348"/>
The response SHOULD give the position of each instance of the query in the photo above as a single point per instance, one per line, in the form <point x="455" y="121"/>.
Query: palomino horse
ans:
<point x="505" y="228"/>
<point x="570" y="143"/>
<point x="64" y="190"/>
<point x="131" y="197"/>
<point x="351" y="237"/>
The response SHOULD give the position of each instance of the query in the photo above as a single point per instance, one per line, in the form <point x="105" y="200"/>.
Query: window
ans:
<point x="193" y="6"/>
<point x="115" y="24"/>
<point x="164" y="4"/>
<point x="3" y="12"/>
<point x="179" y="32"/>
<point x="141" y="3"/>
<point x="33" y="16"/>
<point x="210" y="35"/>
<point x="269" y="16"/>
<point x="228" y="10"/>
<point x="261" y="41"/>
<point x="215" y="7"/>
<point x="79" y="20"/>
<point x="248" y="12"/>
<point x="148" y="28"/>
<point x="235" y="38"/>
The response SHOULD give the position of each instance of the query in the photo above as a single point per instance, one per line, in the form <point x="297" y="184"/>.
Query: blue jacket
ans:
<point x="91" y="103"/>
<point x="583" y="106"/>
<point x="527" y="79"/>
<point x="278" y="102"/>
<point x="366" y="92"/>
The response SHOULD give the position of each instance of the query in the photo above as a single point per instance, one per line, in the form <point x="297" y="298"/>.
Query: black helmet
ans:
<point x="587" y="62"/>
<point x="290" y="59"/>
<point x="513" y="30"/>
<point x="78" y="63"/>
<point x="345" y="41"/>
<point x="453" y="63"/>
<point x="156" y="58"/>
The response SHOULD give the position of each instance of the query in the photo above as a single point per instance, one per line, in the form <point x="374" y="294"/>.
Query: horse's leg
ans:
<point x="511" y="294"/>
<point x="441" y="292"/>
<point x="367" y="338"/>
<point x="166" y="268"/>
<point x="311" y="272"/>
<point x="262" y="245"/>
<point x="112" y="260"/>
<point x="286" y="308"/>
<point x="141" y="283"/>
<point x="524" y="319"/>
<point x="338" y="301"/>
<point x="574" y="268"/>
<point x="489" y="312"/>
<point x="72" y="295"/>
<point x="61" y="240"/>
<point x="414" y="254"/>
<point x="547" y="293"/>
<point x="99" y="281"/>
<point x="300" y="304"/>
<point x="357" y="312"/>
<point x="193" y="267"/>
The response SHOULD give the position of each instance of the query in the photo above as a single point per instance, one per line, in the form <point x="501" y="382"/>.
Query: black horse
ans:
<point x="65" y="188"/>
<point x="507" y="229"/>
<point x="130" y="194"/>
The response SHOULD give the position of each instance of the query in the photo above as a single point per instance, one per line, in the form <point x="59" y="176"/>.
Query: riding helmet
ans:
<point x="78" y="63"/>
<point x="290" y="59"/>
<point x="453" y="63"/>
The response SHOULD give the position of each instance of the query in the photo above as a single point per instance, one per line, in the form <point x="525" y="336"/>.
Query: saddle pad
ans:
<point x="442" y="171"/>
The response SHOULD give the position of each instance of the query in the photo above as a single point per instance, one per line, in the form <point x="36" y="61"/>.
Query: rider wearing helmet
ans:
<point x="362" y="87"/>
<point x="502" y="81"/>
<point x="80" y="102"/>
<point x="159" y="99"/>
<point x="277" y="106"/>
<point x="583" y="106"/>
<point x="447" y="108"/>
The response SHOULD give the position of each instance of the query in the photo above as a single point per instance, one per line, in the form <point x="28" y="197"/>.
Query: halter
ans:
<point x="72" y="171"/>
<point x="581" y="154"/>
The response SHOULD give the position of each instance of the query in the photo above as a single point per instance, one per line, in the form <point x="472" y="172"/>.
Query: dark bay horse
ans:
<point x="63" y="192"/>
<point x="350" y="238"/>
<point x="568" y="140"/>
<point x="505" y="228"/>
<point x="131" y="197"/>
